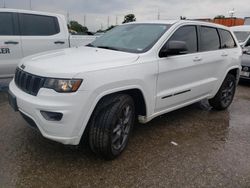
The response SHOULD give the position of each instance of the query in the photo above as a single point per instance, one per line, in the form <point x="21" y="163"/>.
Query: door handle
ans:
<point x="59" y="42"/>
<point x="197" y="59"/>
<point x="11" y="42"/>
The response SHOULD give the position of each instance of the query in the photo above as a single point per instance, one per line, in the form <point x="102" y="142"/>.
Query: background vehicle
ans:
<point x="23" y="33"/>
<point x="138" y="70"/>
<point x="243" y="35"/>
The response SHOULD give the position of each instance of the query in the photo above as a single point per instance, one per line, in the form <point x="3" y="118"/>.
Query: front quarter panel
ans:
<point x="139" y="75"/>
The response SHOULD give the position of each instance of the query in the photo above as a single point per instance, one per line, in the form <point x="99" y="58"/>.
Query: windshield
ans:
<point x="135" y="38"/>
<point x="241" y="35"/>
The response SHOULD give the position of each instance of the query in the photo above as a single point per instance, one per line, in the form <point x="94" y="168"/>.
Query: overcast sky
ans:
<point x="98" y="11"/>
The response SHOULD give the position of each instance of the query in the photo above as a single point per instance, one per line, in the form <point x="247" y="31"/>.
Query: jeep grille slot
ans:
<point x="28" y="83"/>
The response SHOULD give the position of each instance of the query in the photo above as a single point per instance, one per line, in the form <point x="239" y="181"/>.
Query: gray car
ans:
<point x="245" y="73"/>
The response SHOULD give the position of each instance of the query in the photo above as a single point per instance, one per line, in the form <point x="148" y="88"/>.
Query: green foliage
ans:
<point x="183" y="17"/>
<point x="111" y="27"/>
<point x="129" y="18"/>
<point x="74" y="25"/>
<point x="219" y="16"/>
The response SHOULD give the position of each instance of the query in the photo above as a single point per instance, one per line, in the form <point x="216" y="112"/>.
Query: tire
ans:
<point x="225" y="95"/>
<point x="111" y="125"/>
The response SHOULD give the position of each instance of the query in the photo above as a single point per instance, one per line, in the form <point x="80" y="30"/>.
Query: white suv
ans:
<point x="135" y="70"/>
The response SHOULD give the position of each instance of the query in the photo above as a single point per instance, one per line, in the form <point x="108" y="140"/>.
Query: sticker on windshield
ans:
<point x="4" y="51"/>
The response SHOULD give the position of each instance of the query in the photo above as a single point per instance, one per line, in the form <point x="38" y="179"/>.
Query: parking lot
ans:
<point x="213" y="151"/>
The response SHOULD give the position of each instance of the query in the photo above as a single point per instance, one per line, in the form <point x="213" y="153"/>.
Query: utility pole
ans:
<point x="30" y="5"/>
<point x="4" y="5"/>
<point x="116" y="20"/>
<point x="68" y="18"/>
<point x="158" y="15"/>
<point x="231" y="13"/>
<point x="108" y="22"/>
<point x="84" y="20"/>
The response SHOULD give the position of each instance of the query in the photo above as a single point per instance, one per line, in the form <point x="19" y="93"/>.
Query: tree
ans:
<point x="219" y="16"/>
<point x="111" y="27"/>
<point x="183" y="17"/>
<point x="129" y="18"/>
<point x="74" y="25"/>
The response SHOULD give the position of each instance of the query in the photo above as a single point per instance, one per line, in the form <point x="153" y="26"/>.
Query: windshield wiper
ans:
<point x="90" y="45"/>
<point x="108" y="47"/>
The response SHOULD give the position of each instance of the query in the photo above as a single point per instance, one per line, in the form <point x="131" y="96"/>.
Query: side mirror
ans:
<point x="174" y="48"/>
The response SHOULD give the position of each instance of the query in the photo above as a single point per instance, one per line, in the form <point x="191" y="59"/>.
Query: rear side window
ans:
<point x="6" y="24"/>
<point x="187" y="34"/>
<point x="227" y="40"/>
<point x="209" y="39"/>
<point x="37" y="25"/>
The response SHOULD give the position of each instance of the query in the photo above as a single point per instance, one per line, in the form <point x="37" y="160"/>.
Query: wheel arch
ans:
<point x="235" y="70"/>
<point x="137" y="95"/>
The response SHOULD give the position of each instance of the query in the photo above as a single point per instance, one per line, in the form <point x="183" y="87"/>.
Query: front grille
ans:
<point x="27" y="82"/>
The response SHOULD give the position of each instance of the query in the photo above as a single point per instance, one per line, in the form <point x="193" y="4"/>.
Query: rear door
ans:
<point x="230" y="52"/>
<point x="214" y="58"/>
<point x="41" y="33"/>
<point x="10" y="44"/>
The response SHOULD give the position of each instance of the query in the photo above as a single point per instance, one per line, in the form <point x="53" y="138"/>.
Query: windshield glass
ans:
<point x="241" y="35"/>
<point x="135" y="38"/>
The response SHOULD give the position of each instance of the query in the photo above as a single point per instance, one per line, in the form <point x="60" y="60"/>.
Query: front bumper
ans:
<point x="73" y="106"/>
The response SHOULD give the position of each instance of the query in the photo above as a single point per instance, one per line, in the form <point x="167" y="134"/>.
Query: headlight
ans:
<point x="63" y="85"/>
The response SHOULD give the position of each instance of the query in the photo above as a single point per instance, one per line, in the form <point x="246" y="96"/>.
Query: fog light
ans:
<point x="52" y="116"/>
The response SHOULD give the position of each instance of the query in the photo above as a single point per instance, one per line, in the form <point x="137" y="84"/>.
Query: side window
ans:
<point x="248" y="43"/>
<point x="186" y="34"/>
<point x="209" y="39"/>
<point x="37" y="25"/>
<point x="6" y="24"/>
<point x="227" y="40"/>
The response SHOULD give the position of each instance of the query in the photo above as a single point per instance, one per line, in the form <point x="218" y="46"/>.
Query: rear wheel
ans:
<point x="225" y="95"/>
<point x="111" y="125"/>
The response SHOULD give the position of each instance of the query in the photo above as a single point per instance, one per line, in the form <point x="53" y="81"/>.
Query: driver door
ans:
<point x="180" y="76"/>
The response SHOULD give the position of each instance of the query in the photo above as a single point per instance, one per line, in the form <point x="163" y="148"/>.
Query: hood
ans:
<point x="245" y="61"/>
<point x="69" y="62"/>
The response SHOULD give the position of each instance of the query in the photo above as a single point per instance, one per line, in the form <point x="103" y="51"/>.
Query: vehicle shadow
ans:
<point x="196" y="128"/>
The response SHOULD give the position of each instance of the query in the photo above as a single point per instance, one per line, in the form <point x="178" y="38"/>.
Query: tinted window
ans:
<point x="6" y="24"/>
<point x="35" y="25"/>
<point x="186" y="34"/>
<point x="227" y="40"/>
<point x="209" y="39"/>
<point x="242" y="35"/>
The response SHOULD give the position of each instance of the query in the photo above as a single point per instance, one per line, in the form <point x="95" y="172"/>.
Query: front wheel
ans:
<point x="225" y="95"/>
<point x="111" y="125"/>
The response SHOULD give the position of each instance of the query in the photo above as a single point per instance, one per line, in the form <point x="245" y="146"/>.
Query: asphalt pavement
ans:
<point x="191" y="147"/>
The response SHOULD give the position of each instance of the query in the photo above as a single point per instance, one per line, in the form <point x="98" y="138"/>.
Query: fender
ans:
<point x="223" y="78"/>
<point x="103" y="94"/>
